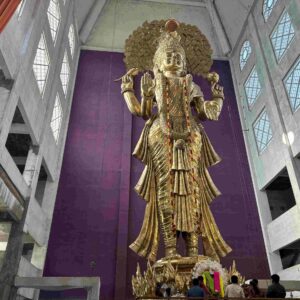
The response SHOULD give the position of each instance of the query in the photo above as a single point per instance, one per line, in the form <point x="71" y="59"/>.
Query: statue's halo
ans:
<point x="141" y="45"/>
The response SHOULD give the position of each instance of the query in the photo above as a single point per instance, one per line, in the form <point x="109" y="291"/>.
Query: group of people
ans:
<point x="233" y="290"/>
<point x="275" y="290"/>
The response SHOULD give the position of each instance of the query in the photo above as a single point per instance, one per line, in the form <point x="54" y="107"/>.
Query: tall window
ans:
<point x="41" y="64"/>
<point x="71" y="37"/>
<point x="56" y="118"/>
<point x="252" y="87"/>
<point x="282" y="35"/>
<point x="245" y="53"/>
<point x="292" y="85"/>
<point x="262" y="131"/>
<point x="65" y="73"/>
<point x="267" y="8"/>
<point x="53" y="17"/>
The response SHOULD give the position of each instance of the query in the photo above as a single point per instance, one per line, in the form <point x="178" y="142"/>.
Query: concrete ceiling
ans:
<point x="105" y="24"/>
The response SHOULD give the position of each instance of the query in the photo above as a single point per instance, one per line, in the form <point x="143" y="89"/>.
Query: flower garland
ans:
<point x="210" y="265"/>
<point x="167" y="94"/>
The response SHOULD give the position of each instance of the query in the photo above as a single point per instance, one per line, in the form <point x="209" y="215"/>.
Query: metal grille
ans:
<point x="41" y="64"/>
<point x="53" y="17"/>
<point x="65" y="73"/>
<point x="245" y="53"/>
<point x="282" y="35"/>
<point x="262" y="131"/>
<point x="292" y="85"/>
<point x="252" y="87"/>
<point x="56" y="119"/>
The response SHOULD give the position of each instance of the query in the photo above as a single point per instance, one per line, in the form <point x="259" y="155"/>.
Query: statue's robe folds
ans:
<point x="186" y="193"/>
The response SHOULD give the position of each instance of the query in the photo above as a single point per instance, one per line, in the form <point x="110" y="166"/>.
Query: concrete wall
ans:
<point x="278" y="155"/>
<point x="18" y="44"/>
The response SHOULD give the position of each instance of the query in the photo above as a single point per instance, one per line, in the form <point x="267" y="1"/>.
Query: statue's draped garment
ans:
<point x="175" y="182"/>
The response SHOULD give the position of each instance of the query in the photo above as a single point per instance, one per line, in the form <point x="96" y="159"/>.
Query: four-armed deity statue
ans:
<point x="173" y="146"/>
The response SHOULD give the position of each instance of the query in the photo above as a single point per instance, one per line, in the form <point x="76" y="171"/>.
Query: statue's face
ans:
<point x="173" y="61"/>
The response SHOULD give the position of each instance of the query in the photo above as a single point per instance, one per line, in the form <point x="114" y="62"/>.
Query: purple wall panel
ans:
<point x="97" y="213"/>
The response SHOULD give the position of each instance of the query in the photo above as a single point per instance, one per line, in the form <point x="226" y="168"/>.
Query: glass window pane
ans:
<point x="252" y="87"/>
<point x="65" y="73"/>
<point x="71" y="37"/>
<point x="262" y="131"/>
<point x="53" y="17"/>
<point x="245" y="53"/>
<point x="282" y="35"/>
<point x="56" y="119"/>
<point x="41" y="64"/>
<point x="292" y="83"/>
<point x="268" y="7"/>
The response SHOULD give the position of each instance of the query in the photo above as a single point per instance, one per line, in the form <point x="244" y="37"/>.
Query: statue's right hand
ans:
<point x="147" y="85"/>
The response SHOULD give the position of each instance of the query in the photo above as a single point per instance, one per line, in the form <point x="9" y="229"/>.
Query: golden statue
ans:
<point x="174" y="147"/>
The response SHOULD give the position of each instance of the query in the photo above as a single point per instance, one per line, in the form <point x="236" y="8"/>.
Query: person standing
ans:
<point x="195" y="290"/>
<point x="233" y="290"/>
<point x="253" y="290"/>
<point x="203" y="286"/>
<point x="276" y="290"/>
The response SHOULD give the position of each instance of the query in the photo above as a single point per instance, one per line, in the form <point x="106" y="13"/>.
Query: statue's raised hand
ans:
<point x="127" y="80"/>
<point x="127" y="83"/>
<point x="217" y="91"/>
<point x="147" y="85"/>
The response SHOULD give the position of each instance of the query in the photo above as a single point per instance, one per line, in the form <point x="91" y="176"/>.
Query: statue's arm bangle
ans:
<point x="149" y="97"/>
<point x="218" y="97"/>
<point x="127" y="90"/>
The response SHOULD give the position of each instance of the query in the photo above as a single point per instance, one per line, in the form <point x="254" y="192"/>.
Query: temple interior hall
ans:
<point x="69" y="209"/>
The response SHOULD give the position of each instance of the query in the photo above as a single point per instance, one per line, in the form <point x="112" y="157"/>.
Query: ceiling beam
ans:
<point x="19" y="128"/>
<point x="90" y="20"/>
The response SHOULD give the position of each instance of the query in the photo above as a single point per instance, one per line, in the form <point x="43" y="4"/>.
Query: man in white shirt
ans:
<point x="233" y="290"/>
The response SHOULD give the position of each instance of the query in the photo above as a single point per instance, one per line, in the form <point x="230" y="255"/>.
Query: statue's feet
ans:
<point x="171" y="253"/>
<point x="174" y="256"/>
<point x="192" y="251"/>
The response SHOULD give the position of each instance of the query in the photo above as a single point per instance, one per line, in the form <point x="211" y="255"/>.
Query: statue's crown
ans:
<point x="169" y="39"/>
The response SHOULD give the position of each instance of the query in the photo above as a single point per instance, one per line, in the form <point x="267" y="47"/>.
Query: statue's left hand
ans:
<point x="217" y="91"/>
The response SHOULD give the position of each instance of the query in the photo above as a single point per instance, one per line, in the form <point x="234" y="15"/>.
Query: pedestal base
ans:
<point x="177" y="273"/>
